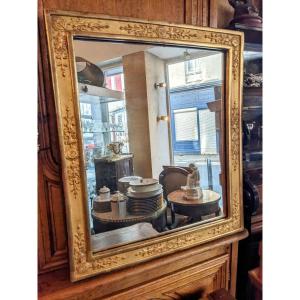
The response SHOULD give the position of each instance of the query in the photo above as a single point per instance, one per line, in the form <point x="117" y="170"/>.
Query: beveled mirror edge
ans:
<point x="61" y="27"/>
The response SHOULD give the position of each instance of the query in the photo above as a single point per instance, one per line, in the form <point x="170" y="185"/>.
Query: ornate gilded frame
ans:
<point x="61" y="27"/>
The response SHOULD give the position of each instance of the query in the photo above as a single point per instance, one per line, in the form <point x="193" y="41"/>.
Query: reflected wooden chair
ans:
<point x="171" y="179"/>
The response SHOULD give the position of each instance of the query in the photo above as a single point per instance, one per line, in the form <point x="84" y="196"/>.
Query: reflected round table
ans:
<point x="106" y="221"/>
<point x="196" y="209"/>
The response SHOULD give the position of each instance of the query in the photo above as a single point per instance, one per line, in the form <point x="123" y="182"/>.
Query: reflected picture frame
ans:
<point x="61" y="28"/>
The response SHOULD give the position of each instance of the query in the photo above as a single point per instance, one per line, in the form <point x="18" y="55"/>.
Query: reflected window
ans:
<point x="186" y="124"/>
<point x="208" y="133"/>
<point x="114" y="79"/>
<point x="194" y="70"/>
<point x="193" y="123"/>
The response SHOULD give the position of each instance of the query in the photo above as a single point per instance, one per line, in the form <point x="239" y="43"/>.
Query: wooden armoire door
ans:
<point x="52" y="239"/>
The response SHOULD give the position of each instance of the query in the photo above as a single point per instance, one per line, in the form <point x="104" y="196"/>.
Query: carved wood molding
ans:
<point x="61" y="29"/>
<point x="71" y="152"/>
<point x="82" y="264"/>
<point x="194" y="282"/>
<point x="62" y="25"/>
<point x="51" y="158"/>
<point x="158" y="31"/>
<point x="235" y="124"/>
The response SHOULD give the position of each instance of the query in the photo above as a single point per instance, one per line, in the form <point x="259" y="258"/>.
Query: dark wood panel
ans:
<point x="43" y="132"/>
<point x="47" y="113"/>
<point x="53" y="251"/>
<point x="52" y="233"/>
<point x="201" y="12"/>
<point x="162" y="10"/>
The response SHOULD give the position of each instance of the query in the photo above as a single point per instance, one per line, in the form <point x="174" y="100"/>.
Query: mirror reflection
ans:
<point x="152" y="124"/>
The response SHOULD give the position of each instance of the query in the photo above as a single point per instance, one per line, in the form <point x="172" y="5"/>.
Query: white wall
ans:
<point x="157" y="106"/>
<point x="148" y="138"/>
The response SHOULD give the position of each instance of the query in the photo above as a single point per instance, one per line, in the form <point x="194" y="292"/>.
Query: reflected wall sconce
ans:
<point x="160" y="85"/>
<point x="162" y="118"/>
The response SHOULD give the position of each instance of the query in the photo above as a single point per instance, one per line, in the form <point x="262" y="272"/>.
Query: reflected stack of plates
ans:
<point x="144" y="196"/>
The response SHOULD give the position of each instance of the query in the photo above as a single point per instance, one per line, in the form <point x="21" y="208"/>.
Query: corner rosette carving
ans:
<point x="60" y="27"/>
<point x="80" y="256"/>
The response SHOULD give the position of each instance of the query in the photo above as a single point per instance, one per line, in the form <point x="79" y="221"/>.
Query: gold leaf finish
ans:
<point x="71" y="151"/>
<point x="147" y="30"/>
<point x="80" y="25"/>
<point x="168" y="246"/>
<point x="235" y="135"/>
<point x="61" y="28"/>
<point x="82" y="265"/>
<point x="62" y="25"/>
<point x="61" y="51"/>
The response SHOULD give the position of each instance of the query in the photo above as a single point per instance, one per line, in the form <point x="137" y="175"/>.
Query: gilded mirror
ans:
<point x="149" y="126"/>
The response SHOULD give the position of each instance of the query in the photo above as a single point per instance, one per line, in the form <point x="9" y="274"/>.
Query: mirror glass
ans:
<point x="152" y="125"/>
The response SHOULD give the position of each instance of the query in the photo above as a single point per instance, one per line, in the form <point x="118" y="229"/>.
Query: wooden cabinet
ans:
<point x="190" y="274"/>
<point x="193" y="272"/>
<point x="109" y="172"/>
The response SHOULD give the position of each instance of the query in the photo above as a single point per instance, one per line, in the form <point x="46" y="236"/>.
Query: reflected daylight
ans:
<point x="152" y="124"/>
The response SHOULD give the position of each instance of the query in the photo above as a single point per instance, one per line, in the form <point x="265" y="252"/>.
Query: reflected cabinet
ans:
<point x="149" y="125"/>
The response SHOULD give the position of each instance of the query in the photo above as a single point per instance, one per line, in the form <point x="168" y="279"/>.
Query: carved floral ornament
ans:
<point x="71" y="152"/>
<point x="235" y="135"/>
<point x="63" y="24"/>
<point x="60" y="28"/>
<point x="82" y="265"/>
